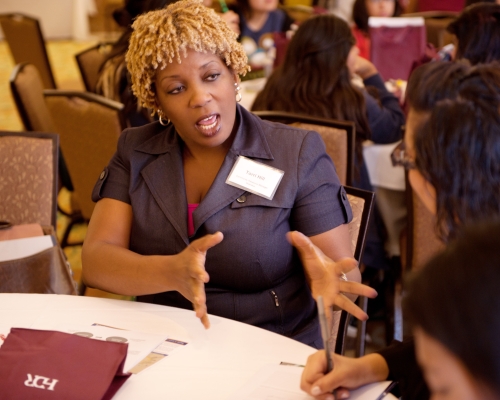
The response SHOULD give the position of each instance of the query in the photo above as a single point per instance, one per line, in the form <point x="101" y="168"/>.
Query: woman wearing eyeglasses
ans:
<point x="452" y="152"/>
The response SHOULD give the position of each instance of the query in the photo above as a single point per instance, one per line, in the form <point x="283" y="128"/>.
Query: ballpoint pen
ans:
<point x="387" y="390"/>
<point x="324" y="332"/>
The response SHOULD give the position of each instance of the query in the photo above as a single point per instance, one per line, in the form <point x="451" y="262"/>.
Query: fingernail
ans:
<point x="344" y="395"/>
<point x="329" y="397"/>
<point x="316" y="391"/>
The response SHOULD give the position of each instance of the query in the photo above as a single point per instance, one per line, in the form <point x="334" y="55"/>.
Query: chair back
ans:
<point x="362" y="202"/>
<point x="339" y="138"/>
<point x="89" y="126"/>
<point x="422" y="242"/>
<point x="28" y="177"/>
<point x="27" y="45"/>
<point x="89" y="62"/>
<point x="27" y="90"/>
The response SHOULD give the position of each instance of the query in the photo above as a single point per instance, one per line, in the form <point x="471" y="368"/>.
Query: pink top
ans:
<point x="191" y="208"/>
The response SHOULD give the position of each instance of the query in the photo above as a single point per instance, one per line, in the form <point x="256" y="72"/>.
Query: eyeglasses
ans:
<point x="400" y="157"/>
<point x="385" y="1"/>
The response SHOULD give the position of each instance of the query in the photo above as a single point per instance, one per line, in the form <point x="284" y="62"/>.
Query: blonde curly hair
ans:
<point x="159" y="37"/>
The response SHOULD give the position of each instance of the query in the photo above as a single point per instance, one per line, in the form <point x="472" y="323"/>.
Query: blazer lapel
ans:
<point x="165" y="179"/>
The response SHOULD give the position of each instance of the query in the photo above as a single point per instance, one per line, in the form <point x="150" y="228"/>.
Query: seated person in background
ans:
<point x="169" y="229"/>
<point x="453" y="159"/>
<point x="259" y="21"/>
<point x="114" y="79"/>
<point x="364" y="9"/>
<point x="477" y="32"/>
<point x="316" y="79"/>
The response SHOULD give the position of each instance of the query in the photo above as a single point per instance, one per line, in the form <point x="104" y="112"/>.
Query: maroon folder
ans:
<point x="37" y="364"/>
<point x="394" y="49"/>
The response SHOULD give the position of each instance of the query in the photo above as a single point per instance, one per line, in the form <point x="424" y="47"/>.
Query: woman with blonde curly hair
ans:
<point x="176" y="223"/>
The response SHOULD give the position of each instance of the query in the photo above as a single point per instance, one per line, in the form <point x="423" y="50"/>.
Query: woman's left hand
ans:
<point x="325" y="276"/>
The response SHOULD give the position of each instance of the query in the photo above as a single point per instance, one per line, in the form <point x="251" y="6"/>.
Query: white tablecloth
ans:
<point x="214" y="364"/>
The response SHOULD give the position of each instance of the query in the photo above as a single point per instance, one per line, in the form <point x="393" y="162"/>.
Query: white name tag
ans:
<point x="255" y="177"/>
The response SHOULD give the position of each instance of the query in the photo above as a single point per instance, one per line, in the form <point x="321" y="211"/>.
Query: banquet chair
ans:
<point x="27" y="45"/>
<point x="419" y="243"/>
<point x="339" y="138"/>
<point x="27" y="90"/>
<point x="28" y="195"/>
<point x="362" y="203"/>
<point x="28" y="177"/>
<point x="89" y="126"/>
<point x="26" y="86"/>
<point x="89" y="62"/>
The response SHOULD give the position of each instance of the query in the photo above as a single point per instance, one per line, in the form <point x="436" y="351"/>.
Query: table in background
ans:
<point x="215" y="363"/>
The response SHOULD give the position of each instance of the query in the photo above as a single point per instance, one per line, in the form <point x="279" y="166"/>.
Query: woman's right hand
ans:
<point x="190" y="275"/>
<point x="348" y="373"/>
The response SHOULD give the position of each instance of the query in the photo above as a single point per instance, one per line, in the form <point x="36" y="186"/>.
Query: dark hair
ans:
<point x="360" y="14"/>
<point x="458" y="151"/>
<point x="433" y="82"/>
<point x="316" y="63"/>
<point x="477" y="30"/>
<point x="454" y="299"/>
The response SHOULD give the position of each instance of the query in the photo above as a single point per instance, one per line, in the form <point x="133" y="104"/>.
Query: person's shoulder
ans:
<point x="134" y="137"/>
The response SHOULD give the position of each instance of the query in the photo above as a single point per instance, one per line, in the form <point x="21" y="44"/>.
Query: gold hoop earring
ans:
<point x="159" y="118"/>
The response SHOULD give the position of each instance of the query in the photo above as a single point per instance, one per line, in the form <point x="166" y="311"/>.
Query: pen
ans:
<point x="324" y="332"/>
<point x="387" y="390"/>
<point x="223" y="6"/>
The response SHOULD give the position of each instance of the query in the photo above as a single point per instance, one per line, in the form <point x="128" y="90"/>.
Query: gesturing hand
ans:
<point x="325" y="276"/>
<point x="191" y="275"/>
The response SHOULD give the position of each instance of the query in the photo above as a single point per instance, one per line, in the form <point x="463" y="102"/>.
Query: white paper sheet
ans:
<point x="282" y="382"/>
<point x="19" y="248"/>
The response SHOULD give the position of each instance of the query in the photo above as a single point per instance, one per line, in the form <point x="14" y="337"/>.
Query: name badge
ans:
<point x="255" y="177"/>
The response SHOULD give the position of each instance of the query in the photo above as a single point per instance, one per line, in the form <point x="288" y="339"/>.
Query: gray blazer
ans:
<point x="256" y="276"/>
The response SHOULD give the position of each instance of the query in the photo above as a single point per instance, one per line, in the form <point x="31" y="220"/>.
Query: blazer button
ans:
<point x="241" y="199"/>
<point x="101" y="177"/>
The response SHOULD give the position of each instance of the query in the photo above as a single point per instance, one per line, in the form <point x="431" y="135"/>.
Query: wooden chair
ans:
<point x="27" y="45"/>
<point x="89" y="126"/>
<point x="28" y="177"/>
<point x="89" y="62"/>
<point x="339" y="138"/>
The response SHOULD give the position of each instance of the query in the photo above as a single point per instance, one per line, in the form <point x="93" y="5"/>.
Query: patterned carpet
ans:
<point x="61" y="54"/>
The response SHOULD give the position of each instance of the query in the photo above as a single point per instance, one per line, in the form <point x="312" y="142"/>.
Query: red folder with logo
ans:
<point x="38" y="364"/>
